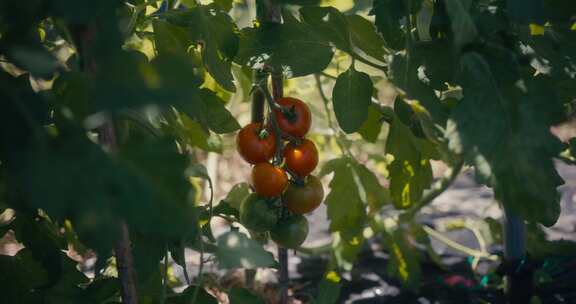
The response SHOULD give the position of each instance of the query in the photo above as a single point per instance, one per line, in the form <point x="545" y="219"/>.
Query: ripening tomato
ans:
<point x="301" y="159"/>
<point x="268" y="181"/>
<point x="296" y="118"/>
<point x="290" y="232"/>
<point x="257" y="214"/>
<point x="253" y="146"/>
<point x="300" y="199"/>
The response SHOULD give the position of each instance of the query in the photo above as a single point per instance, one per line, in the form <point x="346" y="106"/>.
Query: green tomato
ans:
<point x="290" y="232"/>
<point x="256" y="214"/>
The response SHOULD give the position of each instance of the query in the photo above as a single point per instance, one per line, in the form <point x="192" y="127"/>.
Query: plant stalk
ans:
<point x="84" y="37"/>
<point x="519" y="285"/>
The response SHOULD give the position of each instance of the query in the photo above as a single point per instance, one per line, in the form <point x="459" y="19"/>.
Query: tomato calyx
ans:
<point x="290" y="114"/>
<point x="263" y="133"/>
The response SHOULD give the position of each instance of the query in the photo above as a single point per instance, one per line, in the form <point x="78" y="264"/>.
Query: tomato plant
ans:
<point x="117" y="161"/>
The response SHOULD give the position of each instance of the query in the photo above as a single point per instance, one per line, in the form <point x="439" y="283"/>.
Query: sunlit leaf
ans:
<point x="236" y="250"/>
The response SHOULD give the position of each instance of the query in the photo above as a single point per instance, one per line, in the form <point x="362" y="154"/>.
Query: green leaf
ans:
<point x="330" y="23"/>
<point x="241" y="296"/>
<point x="463" y="27"/>
<point x="21" y="276"/>
<point x="237" y="194"/>
<point x="147" y="253"/>
<point x="217" y="33"/>
<point x="376" y="195"/>
<point x="219" y="119"/>
<point x="292" y="47"/>
<point x="101" y="290"/>
<point x="364" y="36"/>
<point x="328" y="291"/>
<point x="352" y="95"/>
<point x="410" y="171"/>
<point x="404" y="264"/>
<point x="236" y="250"/>
<point x="170" y="39"/>
<point x="192" y="133"/>
<point x="526" y="11"/>
<point x="505" y="134"/>
<point x="225" y="5"/>
<point x="186" y="296"/>
<point x="388" y="15"/>
<point x="370" y="129"/>
<point x="346" y="209"/>
<point x="165" y="209"/>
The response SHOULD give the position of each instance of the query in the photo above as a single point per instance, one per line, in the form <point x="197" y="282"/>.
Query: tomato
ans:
<point x="296" y="119"/>
<point x="300" y="199"/>
<point x="256" y="214"/>
<point x="268" y="181"/>
<point x="290" y="232"/>
<point x="254" y="148"/>
<point x="301" y="159"/>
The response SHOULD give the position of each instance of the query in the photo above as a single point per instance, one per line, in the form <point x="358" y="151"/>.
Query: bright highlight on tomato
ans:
<point x="301" y="159"/>
<point x="268" y="181"/>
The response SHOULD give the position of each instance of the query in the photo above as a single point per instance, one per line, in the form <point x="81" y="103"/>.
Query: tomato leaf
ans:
<point x="292" y="47"/>
<point x="352" y="95"/>
<point x="346" y="210"/>
<point x="410" y="171"/>
<point x="404" y="264"/>
<point x="187" y="295"/>
<point x="236" y="250"/>
<point x="507" y="137"/>
<point x="370" y="129"/>
<point x="376" y="195"/>
<point x="241" y="295"/>
<point x="328" y="291"/>
<point x="364" y="36"/>
<point x="388" y="15"/>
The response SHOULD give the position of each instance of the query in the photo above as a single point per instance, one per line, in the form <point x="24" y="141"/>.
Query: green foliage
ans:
<point x="510" y="146"/>
<point x="104" y="103"/>
<point x="236" y="250"/>
<point x="280" y="46"/>
<point x="240" y="295"/>
<point x="410" y="171"/>
<point x="351" y="97"/>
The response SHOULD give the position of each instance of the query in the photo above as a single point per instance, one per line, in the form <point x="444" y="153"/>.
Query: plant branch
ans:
<point x="275" y="127"/>
<point x="185" y="268"/>
<point x="201" y="267"/>
<point x="457" y="246"/>
<point x="84" y="37"/>
<point x="368" y="63"/>
<point x="325" y="100"/>
<point x="165" y="275"/>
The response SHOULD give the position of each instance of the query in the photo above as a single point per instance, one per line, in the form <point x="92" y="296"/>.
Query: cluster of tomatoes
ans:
<point x="258" y="144"/>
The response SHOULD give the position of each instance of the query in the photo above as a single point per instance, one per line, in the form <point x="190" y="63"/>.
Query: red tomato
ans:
<point x="301" y="159"/>
<point x="296" y="118"/>
<point x="252" y="147"/>
<point x="300" y="199"/>
<point x="268" y="181"/>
